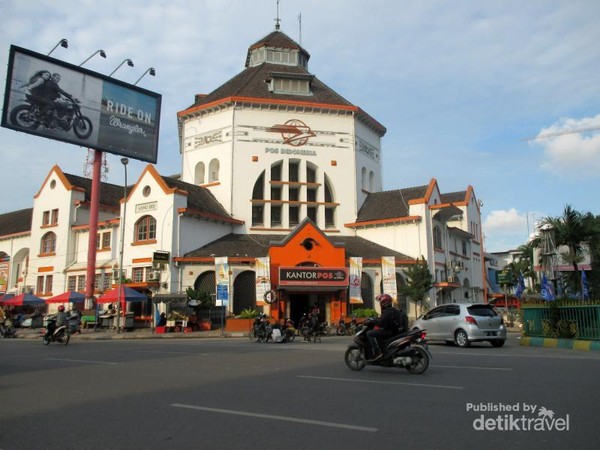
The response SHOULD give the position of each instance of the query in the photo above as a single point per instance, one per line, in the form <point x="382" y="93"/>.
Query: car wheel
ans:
<point x="461" y="339"/>
<point x="498" y="343"/>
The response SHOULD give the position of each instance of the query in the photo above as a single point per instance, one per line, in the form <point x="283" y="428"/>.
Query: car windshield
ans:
<point x="481" y="310"/>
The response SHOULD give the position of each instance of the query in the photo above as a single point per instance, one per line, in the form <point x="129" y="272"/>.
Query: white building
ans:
<point x="274" y="164"/>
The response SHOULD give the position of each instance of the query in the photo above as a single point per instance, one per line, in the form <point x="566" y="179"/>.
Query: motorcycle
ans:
<point x="67" y="116"/>
<point x="7" y="330"/>
<point x="261" y="330"/>
<point x="346" y="328"/>
<point x="407" y="350"/>
<point x="53" y="333"/>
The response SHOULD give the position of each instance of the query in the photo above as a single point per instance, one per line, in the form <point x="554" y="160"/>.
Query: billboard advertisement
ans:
<point x="50" y="98"/>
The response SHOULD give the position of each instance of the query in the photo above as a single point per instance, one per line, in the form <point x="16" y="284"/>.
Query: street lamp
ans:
<point x="124" y="161"/>
<point x="92" y="55"/>
<point x="129" y="63"/>
<point x="150" y="70"/>
<point x="63" y="43"/>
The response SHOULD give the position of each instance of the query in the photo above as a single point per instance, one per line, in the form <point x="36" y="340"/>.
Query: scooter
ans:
<point x="407" y="350"/>
<point x="53" y="333"/>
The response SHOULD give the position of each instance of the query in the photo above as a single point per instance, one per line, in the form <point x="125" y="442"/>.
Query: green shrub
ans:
<point x="249" y="313"/>
<point x="364" y="312"/>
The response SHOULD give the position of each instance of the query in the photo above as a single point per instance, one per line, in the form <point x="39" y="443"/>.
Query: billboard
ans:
<point x="57" y="100"/>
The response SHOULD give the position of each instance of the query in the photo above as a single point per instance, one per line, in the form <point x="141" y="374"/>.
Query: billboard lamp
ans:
<point x="92" y="55"/>
<point x="129" y="63"/>
<point x="151" y="71"/>
<point x="63" y="43"/>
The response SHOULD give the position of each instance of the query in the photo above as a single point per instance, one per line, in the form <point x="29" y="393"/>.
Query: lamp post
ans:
<point x="150" y="70"/>
<point x="63" y="43"/>
<point x="129" y="63"/>
<point x="101" y="52"/>
<point x="124" y="161"/>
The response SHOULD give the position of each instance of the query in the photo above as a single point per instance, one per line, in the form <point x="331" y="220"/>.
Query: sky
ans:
<point x="500" y="95"/>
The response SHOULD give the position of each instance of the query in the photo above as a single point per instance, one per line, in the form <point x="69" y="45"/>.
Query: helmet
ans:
<point x="61" y="308"/>
<point x="384" y="300"/>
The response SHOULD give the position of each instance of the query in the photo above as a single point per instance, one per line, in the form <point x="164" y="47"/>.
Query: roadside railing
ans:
<point x="561" y="319"/>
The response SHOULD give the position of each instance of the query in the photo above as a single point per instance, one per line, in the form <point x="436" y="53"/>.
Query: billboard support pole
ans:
<point x="94" y="204"/>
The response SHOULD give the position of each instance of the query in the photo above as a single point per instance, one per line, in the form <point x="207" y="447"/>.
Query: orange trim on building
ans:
<point x="46" y="269"/>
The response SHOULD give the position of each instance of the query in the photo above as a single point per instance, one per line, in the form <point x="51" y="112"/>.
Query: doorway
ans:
<point x="299" y="304"/>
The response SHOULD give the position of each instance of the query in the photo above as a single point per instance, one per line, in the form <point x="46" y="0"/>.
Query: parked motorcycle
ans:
<point x="53" y="333"/>
<point x="68" y="116"/>
<point x="408" y="350"/>
<point x="346" y="328"/>
<point x="261" y="329"/>
<point x="7" y="330"/>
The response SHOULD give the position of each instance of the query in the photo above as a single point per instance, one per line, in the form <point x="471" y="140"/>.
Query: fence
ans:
<point x="574" y="320"/>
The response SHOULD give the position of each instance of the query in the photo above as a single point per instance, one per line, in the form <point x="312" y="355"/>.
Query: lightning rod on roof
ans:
<point x="277" y="20"/>
<point x="300" y="28"/>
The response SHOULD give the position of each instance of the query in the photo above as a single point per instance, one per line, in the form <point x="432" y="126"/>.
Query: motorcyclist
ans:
<point x="387" y="323"/>
<point x="50" y="92"/>
<point x="59" y="320"/>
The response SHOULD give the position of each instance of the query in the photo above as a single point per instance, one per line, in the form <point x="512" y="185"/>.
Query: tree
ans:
<point x="573" y="230"/>
<point x="419" y="282"/>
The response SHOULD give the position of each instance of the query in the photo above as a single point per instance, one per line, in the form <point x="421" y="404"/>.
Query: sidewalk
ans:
<point x="140" y="333"/>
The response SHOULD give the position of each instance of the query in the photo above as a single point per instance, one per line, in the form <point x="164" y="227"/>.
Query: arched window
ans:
<point x="363" y="175"/>
<point x="371" y="181"/>
<point x="145" y="229"/>
<point x="213" y="171"/>
<point x="437" y="237"/>
<point x="258" y="193"/>
<point x="48" y="244"/>
<point x="199" y="174"/>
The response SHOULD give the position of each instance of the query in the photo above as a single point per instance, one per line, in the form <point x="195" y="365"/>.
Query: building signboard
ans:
<point x="313" y="276"/>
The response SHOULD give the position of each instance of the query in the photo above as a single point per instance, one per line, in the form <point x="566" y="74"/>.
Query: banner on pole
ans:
<point x="355" y="280"/>
<point x="263" y="279"/>
<point x="388" y="273"/>
<point x="222" y="281"/>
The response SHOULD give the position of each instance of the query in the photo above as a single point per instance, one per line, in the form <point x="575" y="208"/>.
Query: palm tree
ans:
<point x="573" y="230"/>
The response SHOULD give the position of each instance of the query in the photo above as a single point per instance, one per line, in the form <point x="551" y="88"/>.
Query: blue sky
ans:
<point x="460" y="86"/>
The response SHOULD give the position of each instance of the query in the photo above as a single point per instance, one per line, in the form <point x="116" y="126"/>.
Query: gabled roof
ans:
<point x="454" y="197"/>
<point x="257" y="245"/>
<point x="200" y="201"/>
<point x="110" y="194"/>
<point x="389" y="204"/>
<point x="198" y="198"/>
<point x="16" y="222"/>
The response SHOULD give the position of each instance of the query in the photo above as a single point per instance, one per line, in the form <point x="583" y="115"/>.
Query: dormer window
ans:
<point x="290" y="83"/>
<point x="283" y="56"/>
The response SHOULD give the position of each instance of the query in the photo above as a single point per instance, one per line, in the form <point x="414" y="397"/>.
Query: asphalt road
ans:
<point x="235" y="394"/>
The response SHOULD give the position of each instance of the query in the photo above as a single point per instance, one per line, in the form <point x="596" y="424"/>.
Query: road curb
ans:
<point x="570" y="344"/>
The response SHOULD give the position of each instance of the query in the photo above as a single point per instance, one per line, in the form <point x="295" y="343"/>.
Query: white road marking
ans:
<point x="281" y="418"/>
<point x="472" y="367"/>
<point x="172" y="353"/>
<point x="82" y="361"/>
<point x="439" y="386"/>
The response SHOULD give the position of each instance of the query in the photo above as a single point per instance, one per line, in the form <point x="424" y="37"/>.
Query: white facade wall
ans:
<point x="256" y="147"/>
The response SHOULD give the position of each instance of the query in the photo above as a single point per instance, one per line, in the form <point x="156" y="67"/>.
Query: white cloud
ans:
<point x="572" y="147"/>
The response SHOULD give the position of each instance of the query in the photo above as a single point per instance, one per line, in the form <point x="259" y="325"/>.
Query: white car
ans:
<point x="463" y="324"/>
